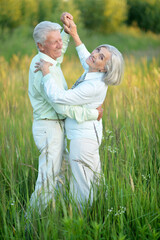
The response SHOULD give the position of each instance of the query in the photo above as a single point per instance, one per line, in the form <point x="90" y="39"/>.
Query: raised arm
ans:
<point x="65" y="36"/>
<point x="71" y="28"/>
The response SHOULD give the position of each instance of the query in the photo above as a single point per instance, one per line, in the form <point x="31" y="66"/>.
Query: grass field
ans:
<point x="129" y="152"/>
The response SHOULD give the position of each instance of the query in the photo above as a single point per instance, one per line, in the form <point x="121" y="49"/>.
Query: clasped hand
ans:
<point x="68" y="24"/>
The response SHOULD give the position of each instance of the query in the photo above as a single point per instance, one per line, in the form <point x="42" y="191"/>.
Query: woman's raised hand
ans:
<point x="65" y="17"/>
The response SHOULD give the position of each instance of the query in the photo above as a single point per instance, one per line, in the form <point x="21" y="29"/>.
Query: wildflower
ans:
<point x="120" y="211"/>
<point x="146" y="178"/>
<point x="112" y="150"/>
<point x="110" y="210"/>
<point x="12" y="203"/>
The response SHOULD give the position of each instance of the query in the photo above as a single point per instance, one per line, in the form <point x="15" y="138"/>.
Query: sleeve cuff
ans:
<point x="80" y="48"/>
<point x="93" y="114"/>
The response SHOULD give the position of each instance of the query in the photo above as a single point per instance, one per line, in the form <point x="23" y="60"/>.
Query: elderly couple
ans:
<point x="78" y="109"/>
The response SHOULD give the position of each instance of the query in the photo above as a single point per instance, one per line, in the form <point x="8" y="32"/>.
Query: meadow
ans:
<point x="127" y="203"/>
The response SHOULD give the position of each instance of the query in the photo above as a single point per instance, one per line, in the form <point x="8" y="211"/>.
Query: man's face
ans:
<point x="52" y="45"/>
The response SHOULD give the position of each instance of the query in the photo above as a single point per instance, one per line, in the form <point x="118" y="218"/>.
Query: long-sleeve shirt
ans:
<point x="43" y="108"/>
<point x="91" y="92"/>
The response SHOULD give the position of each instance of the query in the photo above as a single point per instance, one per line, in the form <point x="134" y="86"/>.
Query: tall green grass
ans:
<point x="127" y="203"/>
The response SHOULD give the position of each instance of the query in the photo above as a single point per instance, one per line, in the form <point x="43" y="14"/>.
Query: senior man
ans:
<point x="48" y="118"/>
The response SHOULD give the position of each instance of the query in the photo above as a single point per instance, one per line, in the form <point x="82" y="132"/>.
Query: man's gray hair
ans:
<point x="42" y="29"/>
<point x="114" y="66"/>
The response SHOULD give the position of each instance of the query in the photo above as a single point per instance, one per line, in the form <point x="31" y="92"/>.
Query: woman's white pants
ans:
<point x="86" y="168"/>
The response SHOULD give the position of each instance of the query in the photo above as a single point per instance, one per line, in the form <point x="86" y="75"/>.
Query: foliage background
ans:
<point x="129" y="152"/>
<point x="101" y="15"/>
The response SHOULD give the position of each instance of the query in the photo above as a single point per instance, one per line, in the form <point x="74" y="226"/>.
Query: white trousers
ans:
<point x="86" y="168"/>
<point x="49" y="139"/>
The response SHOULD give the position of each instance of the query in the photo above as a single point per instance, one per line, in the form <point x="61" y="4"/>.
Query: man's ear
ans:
<point x="40" y="46"/>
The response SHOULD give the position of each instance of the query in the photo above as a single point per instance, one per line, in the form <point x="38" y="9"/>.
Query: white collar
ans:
<point x="94" y="75"/>
<point x="47" y="58"/>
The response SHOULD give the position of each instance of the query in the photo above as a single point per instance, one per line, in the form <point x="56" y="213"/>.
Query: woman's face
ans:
<point x="97" y="60"/>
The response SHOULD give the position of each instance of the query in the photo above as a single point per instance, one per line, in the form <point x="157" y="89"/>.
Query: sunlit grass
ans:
<point x="129" y="154"/>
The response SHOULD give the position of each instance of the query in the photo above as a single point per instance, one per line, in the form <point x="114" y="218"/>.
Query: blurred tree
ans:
<point x="100" y="15"/>
<point x="145" y="14"/>
<point x="10" y="13"/>
<point x="70" y="6"/>
<point x="91" y="12"/>
<point x="156" y="18"/>
<point x="115" y="14"/>
<point x="46" y="9"/>
<point x="103" y="15"/>
<point x="29" y="10"/>
<point x="56" y="11"/>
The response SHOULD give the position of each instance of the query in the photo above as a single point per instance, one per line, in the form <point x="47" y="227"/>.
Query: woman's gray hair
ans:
<point x="42" y="29"/>
<point x="114" y="66"/>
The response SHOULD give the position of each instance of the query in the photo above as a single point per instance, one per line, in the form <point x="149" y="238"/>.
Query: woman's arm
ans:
<point x="71" y="28"/>
<point x="83" y="94"/>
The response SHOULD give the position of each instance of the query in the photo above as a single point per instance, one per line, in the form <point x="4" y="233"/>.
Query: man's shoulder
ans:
<point x="34" y="60"/>
<point x="34" y="77"/>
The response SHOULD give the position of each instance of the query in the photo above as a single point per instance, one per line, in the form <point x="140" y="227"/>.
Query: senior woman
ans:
<point x="103" y="67"/>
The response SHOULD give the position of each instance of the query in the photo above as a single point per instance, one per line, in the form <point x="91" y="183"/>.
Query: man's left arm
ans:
<point x="79" y="113"/>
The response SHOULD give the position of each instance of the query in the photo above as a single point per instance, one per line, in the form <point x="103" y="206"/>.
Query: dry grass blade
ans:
<point x="132" y="183"/>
